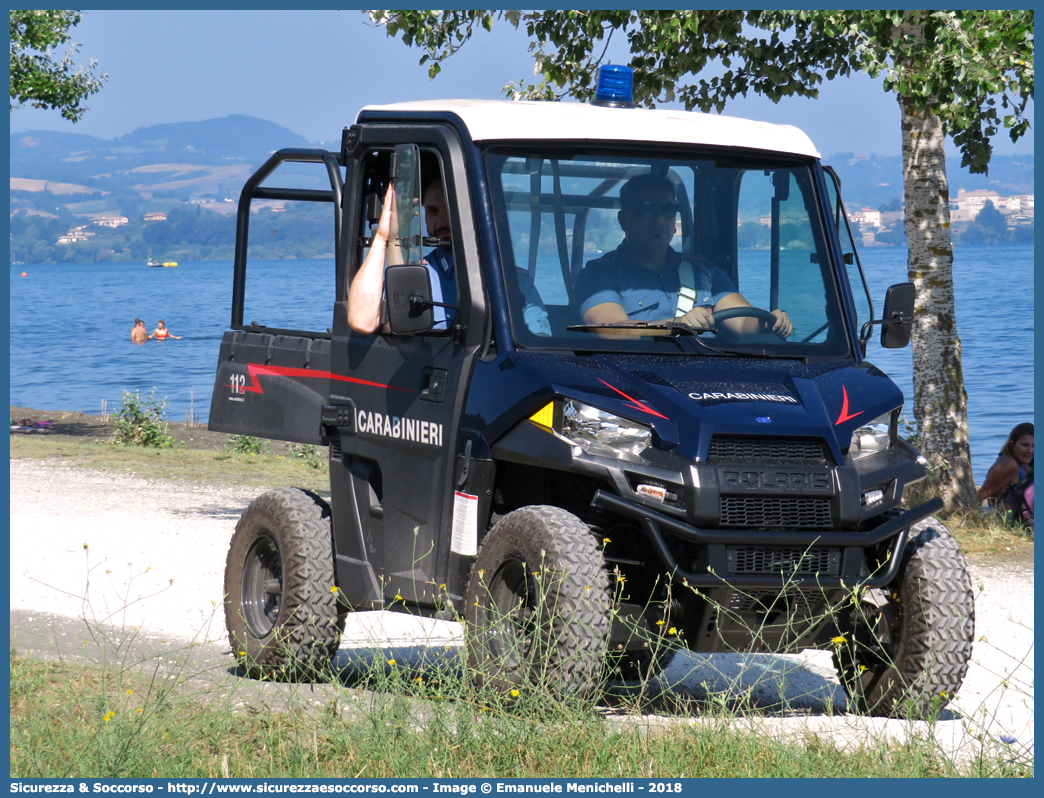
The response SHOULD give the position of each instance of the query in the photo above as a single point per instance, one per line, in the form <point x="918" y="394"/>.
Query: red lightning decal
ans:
<point x="845" y="416"/>
<point x="256" y="369"/>
<point x="637" y="405"/>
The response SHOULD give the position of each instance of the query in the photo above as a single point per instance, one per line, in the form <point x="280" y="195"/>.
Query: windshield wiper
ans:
<point x="677" y="326"/>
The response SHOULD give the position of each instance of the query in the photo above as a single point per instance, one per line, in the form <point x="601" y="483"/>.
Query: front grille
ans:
<point x="734" y="448"/>
<point x="781" y="514"/>
<point x="792" y="601"/>
<point x="774" y="560"/>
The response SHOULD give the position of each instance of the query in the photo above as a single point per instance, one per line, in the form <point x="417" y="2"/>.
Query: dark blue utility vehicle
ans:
<point x="589" y="498"/>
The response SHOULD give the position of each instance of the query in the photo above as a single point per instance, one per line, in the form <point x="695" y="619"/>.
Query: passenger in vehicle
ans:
<point x="645" y="279"/>
<point x="1014" y="462"/>
<point x="367" y="289"/>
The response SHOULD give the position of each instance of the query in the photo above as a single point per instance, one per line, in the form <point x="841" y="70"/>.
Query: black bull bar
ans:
<point x="654" y="524"/>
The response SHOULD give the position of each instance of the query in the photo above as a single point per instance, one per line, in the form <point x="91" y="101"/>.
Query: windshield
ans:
<point x="680" y="254"/>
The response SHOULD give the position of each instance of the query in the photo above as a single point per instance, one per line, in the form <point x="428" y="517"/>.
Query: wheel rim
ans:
<point x="262" y="586"/>
<point x="512" y="614"/>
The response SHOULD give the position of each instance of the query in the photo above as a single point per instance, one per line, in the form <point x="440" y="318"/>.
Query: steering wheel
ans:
<point x="719" y="316"/>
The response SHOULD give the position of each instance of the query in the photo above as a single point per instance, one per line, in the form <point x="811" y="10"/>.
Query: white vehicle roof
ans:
<point x="493" y="120"/>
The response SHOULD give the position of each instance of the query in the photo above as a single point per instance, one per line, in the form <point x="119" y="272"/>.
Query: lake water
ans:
<point x="70" y="327"/>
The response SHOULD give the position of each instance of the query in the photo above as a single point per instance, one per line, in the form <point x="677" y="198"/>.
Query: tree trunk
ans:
<point x="940" y="403"/>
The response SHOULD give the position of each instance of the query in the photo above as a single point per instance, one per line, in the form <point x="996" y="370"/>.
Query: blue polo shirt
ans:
<point x="443" y="284"/>
<point x="646" y="295"/>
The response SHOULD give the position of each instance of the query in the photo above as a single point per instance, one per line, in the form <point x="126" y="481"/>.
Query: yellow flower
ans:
<point x="606" y="540"/>
<point x="621" y="578"/>
<point x="514" y="693"/>
<point x="242" y="653"/>
<point x="108" y="716"/>
<point x="138" y="709"/>
<point x="536" y="573"/>
<point x="661" y="622"/>
<point x="442" y="586"/>
<point x="391" y="662"/>
<point x="482" y="571"/>
<point x="839" y="640"/>
<point x="85" y="546"/>
<point x="398" y="597"/>
<point x="333" y="588"/>
<point x="863" y="668"/>
<point x="673" y="630"/>
<point x="130" y="692"/>
<point x="419" y="680"/>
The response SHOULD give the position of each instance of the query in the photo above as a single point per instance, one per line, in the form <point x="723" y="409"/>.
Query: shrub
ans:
<point x="139" y="421"/>
<point x="246" y="444"/>
<point x="310" y="455"/>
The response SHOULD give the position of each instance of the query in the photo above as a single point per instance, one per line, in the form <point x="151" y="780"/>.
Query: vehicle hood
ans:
<point x="687" y="400"/>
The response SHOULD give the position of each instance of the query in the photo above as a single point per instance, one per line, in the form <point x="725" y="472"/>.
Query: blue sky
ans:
<point x="311" y="71"/>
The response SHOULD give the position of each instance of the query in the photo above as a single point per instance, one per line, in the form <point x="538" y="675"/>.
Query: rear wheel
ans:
<point x="280" y="603"/>
<point x="907" y="647"/>
<point x="537" y="607"/>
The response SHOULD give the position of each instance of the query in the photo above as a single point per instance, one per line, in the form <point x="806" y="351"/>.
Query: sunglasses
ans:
<point x="646" y="210"/>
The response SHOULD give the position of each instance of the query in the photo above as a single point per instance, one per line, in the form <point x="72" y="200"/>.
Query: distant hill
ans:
<point x="88" y="160"/>
<point x="154" y="152"/>
<point x="872" y="180"/>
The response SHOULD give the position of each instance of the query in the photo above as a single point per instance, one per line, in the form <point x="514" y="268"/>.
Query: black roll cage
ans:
<point x="254" y="190"/>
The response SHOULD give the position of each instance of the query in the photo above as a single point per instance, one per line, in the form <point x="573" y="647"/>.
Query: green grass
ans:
<point x="77" y="720"/>
<point x="219" y="467"/>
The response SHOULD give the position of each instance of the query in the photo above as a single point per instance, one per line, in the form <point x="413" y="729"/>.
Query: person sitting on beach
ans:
<point x="162" y="333"/>
<point x="1013" y="464"/>
<point x="139" y="334"/>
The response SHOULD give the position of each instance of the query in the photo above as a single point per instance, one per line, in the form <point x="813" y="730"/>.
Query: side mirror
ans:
<point x="407" y="290"/>
<point x="897" y="324"/>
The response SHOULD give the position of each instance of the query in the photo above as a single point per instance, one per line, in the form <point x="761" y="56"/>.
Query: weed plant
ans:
<point x="246" y="444"/>
<point x="309" y="455"/>
<point x="139" y="421"/>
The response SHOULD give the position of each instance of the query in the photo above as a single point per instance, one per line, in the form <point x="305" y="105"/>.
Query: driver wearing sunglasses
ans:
<point x="641" y="280"/>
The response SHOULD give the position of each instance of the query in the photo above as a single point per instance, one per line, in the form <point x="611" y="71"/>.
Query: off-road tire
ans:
<point x="280" y="609"/>
<point x="537" y="611"/>
<point x="930" y="617"/>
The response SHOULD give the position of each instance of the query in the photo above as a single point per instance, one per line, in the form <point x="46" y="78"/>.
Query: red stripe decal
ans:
<point x="635" y="403"/>
<point x="256" y="370"/>
<point x="845" y="416"/>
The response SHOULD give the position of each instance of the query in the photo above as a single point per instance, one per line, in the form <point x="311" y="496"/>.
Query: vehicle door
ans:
<point x="273" y="372"/>
<point x="396" y="400"/>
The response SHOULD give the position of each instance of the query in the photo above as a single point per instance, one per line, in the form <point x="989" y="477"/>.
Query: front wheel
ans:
<point x="280" y="600"/>
<point x="905" y="649"/>
<point x="537" y="609"/>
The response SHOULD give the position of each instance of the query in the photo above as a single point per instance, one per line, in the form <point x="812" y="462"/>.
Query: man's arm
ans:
<point x="367" y="289"/>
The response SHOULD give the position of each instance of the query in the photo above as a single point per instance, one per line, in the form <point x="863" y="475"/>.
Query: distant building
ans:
<point x="155" y="217"/>
<point x="866" y="216"/>
<point x="75" y="236"/>
<point x="110" y="221"/>
<point x="968" y="204"/>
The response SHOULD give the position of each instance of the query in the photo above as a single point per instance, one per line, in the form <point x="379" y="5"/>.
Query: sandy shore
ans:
<point x="151" y="554"/>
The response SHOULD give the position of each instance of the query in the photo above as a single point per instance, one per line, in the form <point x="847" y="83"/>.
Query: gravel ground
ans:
<point x="136" y="553"/>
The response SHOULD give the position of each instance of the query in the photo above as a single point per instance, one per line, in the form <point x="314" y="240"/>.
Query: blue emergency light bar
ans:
<point x="615" y="86"/>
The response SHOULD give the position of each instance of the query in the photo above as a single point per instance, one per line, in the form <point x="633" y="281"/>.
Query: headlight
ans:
<point x="873" y="437"/>
<point x="599" y="432"/>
